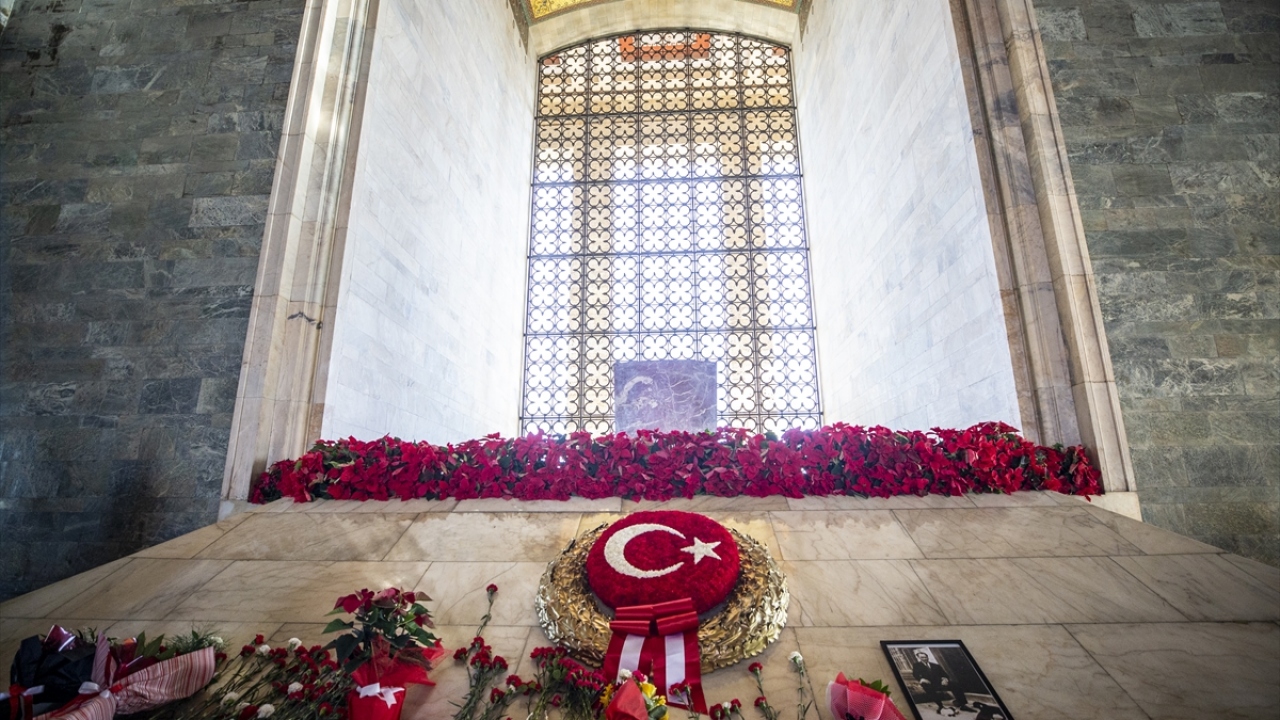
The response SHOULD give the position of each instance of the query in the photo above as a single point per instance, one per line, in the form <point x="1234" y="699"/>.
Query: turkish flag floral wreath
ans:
<point x="651" y="571"/>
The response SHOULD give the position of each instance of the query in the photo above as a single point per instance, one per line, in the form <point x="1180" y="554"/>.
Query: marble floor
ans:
<point x="1072" y="611"/>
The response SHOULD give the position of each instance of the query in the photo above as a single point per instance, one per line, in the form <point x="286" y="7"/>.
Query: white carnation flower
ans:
<point x="230" y="698"/>
<point x="264" y="649"/>
<point x="266" y="711"/>
<point x="294" y="643"/>
<point x="624" y="674"/>
<point x="294" y="687"/>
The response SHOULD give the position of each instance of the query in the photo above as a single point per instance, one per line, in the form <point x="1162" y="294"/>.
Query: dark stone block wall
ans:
<point x="1171" y="112"/>
<point x="139" y="142"/>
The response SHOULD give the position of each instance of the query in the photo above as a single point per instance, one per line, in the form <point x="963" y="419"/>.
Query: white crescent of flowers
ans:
<point x="616" y="547"/>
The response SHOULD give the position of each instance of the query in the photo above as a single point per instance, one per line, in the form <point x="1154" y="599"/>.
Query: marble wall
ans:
<point x="427" y="337"/>
<point x="910" y="326"/>
<point x="139" y="141"/>
<point x="1171" y="113"/>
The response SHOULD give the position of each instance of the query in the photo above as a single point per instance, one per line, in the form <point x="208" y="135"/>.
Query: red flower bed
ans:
<point x="836" y="460"/>
<point x="707" y="580"/>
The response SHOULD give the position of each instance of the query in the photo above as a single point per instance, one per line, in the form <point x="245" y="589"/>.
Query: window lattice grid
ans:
<point x="667" y="223"/>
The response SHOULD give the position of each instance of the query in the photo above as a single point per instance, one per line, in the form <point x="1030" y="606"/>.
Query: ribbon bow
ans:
<point x="661" y="641"/>
<point x="388" y="694"/>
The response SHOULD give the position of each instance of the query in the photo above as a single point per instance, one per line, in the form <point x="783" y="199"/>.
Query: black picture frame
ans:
<point x="951" y="684"/>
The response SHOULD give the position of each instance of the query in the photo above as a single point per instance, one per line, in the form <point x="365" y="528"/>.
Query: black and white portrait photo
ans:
<point x="941" y="679"/>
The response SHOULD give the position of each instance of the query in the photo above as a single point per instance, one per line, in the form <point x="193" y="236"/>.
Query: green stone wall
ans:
<point x="1171" y="113"/>
<point x="138" y="146"/>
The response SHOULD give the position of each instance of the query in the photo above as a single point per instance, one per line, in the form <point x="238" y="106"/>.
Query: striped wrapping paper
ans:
<point x="109" y="695"/>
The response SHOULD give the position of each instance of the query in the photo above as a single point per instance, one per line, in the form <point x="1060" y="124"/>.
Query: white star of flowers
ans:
<point x="701" y="549"/>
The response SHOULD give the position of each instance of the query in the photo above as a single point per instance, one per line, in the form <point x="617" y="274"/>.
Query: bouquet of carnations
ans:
<point x="385" y="650"/>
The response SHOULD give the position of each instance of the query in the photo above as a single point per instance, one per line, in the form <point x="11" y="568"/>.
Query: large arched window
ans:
<point x="667" y="223"/>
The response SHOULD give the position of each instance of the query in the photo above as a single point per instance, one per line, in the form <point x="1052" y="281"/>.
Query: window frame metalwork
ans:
<point x="567" y="168"/>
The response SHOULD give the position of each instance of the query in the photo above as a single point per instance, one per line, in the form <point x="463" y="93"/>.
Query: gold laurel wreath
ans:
<point x="751" y="619"/>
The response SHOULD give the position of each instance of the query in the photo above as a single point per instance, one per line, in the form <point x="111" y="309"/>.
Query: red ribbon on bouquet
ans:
<point x="851" y="699"/>
<point x="660" y="641"/>
<point x="117" y="690"/>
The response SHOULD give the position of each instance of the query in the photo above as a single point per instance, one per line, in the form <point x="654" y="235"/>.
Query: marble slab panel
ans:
<point x="904" y="502"/>
<point x="189" y="545"/>
<point x="756" y="525"/>
<point x="1039" y="671"/>
<point x="311" y="536"/>
<point x="710" y="503"/>
<point x="1012" y="532"/>
<point x="1039" y="591"/>
<point x="850" y="535"/>
<point x="236" y="634"/>
<point x="1206" y="587"/>
<point x="289" y="590"/>
<point x="40" y="603"/>
<point x="145" y="589"/>
<point x="520" y="537"/>
<point x="1226" y="671"/>
<point x="1266" y="573"/>
<point x="415" y="505"/>
<point x="591" y="521"/>
<point x="1017" y="499"/>
<point x="1148" y="538"/>
<point x="457" y="590"/>
<point x="508" y="505"/>
<point x="843" y="593"/>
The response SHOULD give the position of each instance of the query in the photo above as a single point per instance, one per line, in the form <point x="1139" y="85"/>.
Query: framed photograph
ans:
<point x="941" y="680"/>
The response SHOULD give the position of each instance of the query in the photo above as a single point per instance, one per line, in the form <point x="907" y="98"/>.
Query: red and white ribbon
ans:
<point x="661" y="641"/>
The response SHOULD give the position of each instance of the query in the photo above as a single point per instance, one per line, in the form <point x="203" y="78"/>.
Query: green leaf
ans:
<point x="337" y="625"/>
<point x="344" y="646"/>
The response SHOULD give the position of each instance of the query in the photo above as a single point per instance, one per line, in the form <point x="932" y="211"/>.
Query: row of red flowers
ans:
<point x="835" y="460"/>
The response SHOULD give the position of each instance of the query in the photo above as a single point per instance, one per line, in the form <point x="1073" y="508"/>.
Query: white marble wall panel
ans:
<point x="910" y="328"/>
<point x="427" y="335"/>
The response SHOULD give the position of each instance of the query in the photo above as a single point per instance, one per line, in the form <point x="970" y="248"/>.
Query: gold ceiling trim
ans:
<point x="542" y="9"/>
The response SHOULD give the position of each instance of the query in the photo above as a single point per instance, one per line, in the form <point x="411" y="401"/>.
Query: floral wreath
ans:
<point x="685" y="554"/>
<point x="751" y="618"/>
